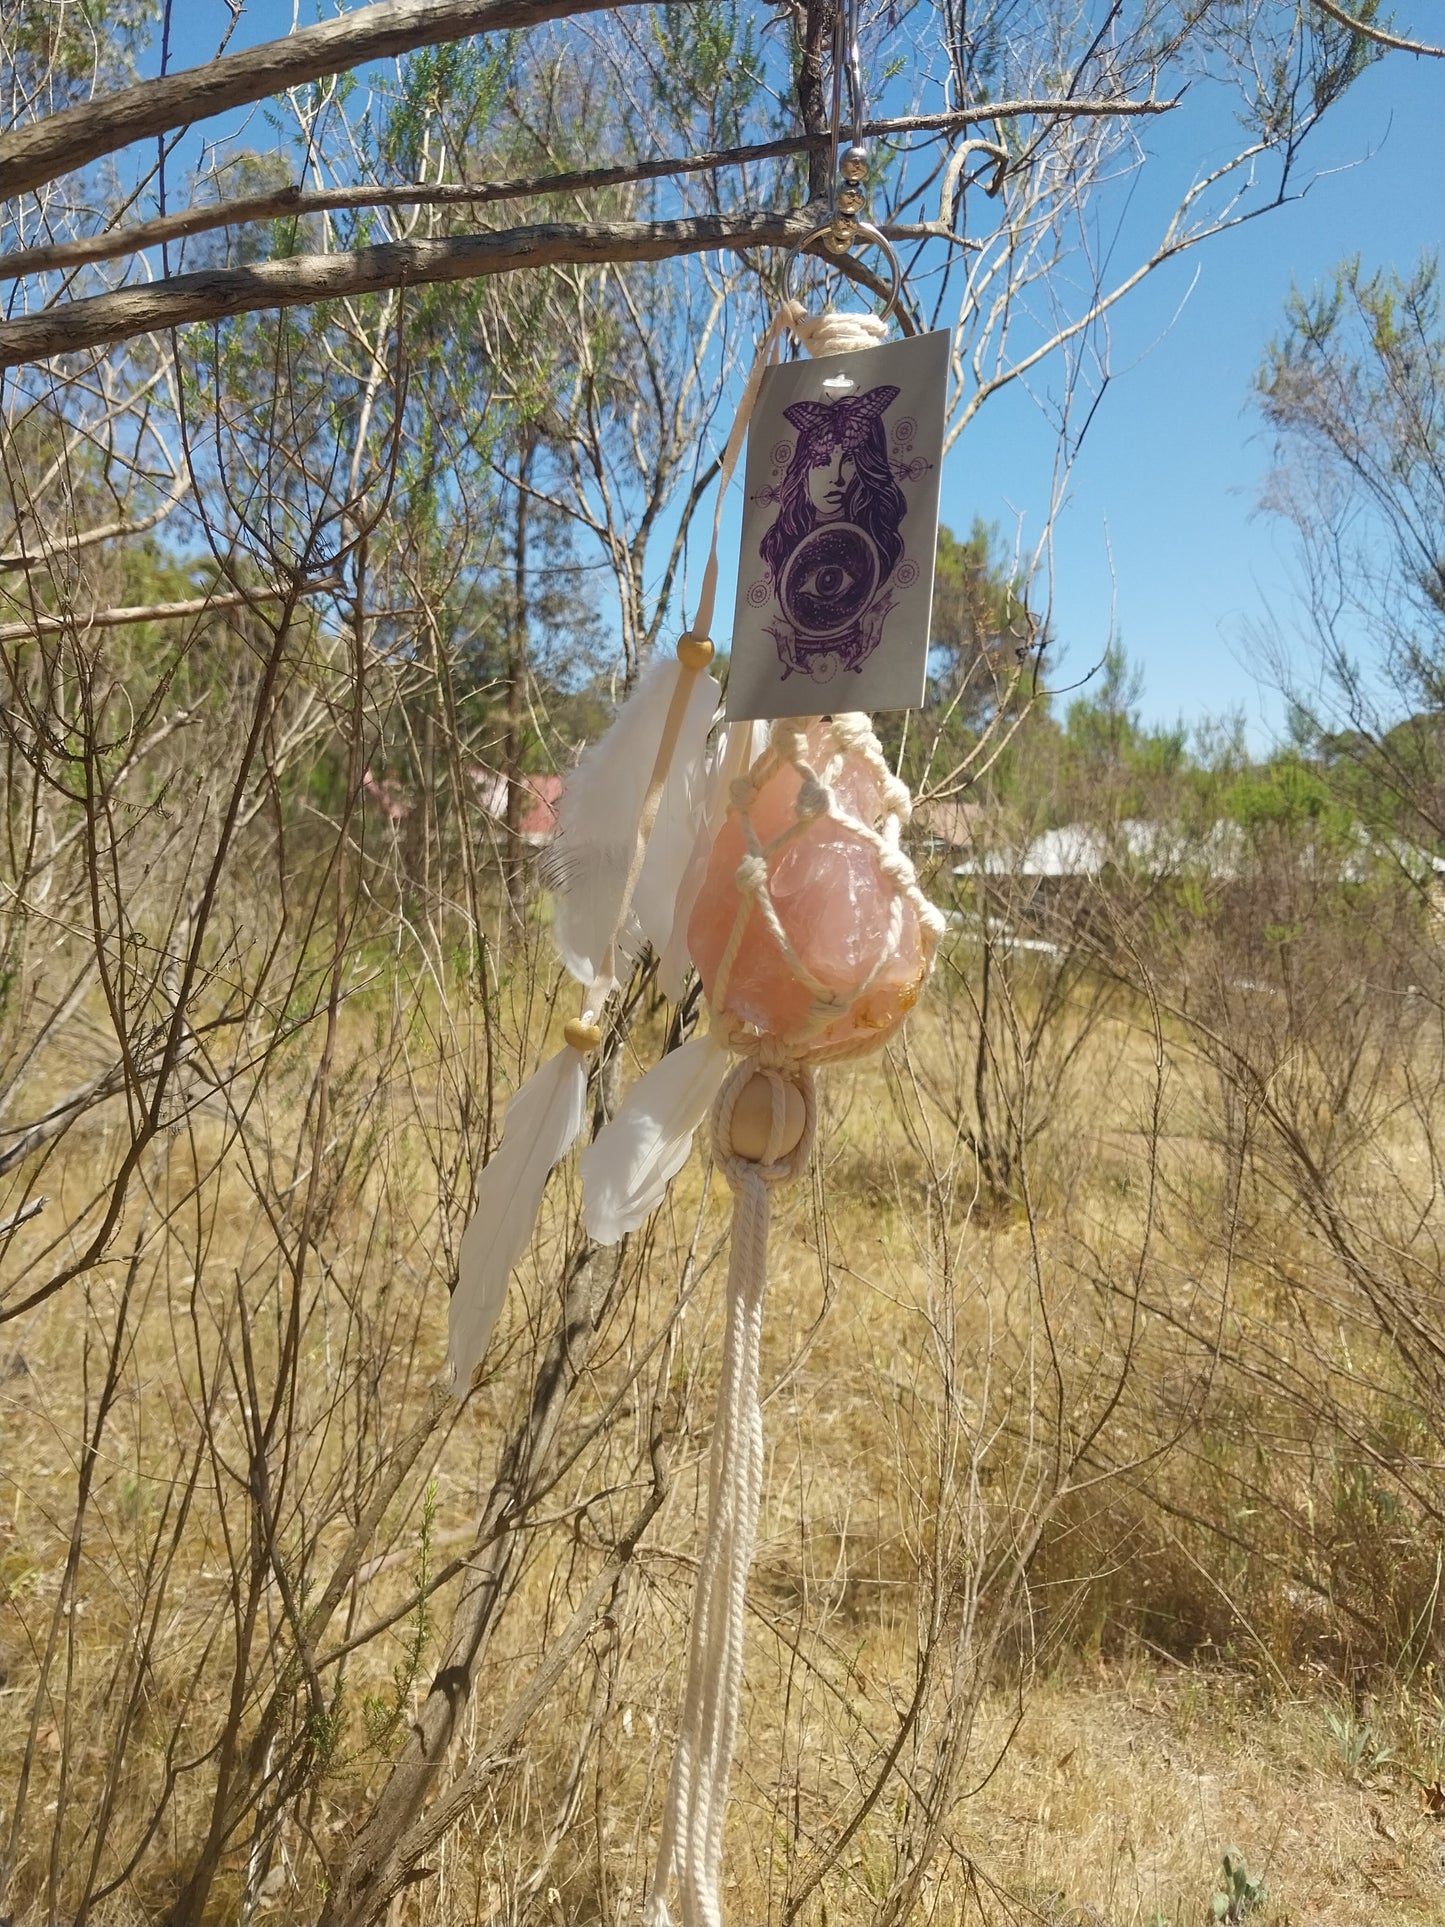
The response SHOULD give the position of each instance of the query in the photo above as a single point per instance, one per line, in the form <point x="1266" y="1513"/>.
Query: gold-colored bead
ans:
<point x="850" y="200"/>
<point x="695" y="652"/>
<point x="840" y="237"/>
<point x="582" y="1036"/>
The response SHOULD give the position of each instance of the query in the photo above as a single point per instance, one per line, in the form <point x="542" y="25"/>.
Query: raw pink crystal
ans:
<point x="835" y="905"/>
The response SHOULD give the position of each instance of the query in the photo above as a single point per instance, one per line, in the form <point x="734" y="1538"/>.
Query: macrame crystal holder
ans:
<point x="630" y="820"/>
<point x="810" y="934"/>
<point x="813" y="942"/>
<point x="771" y="862"/>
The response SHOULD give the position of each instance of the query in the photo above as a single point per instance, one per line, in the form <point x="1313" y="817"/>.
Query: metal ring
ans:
<point x="863" y="230"/>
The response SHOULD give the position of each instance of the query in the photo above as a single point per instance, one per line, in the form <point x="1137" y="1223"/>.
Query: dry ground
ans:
<point x="1124" y="1785"/>
<point x="907" y="1364"/>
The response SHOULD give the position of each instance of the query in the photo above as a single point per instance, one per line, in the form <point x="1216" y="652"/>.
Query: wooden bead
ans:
<point x="753" y="1119"/>
<point x="582" y="1037"/>
<point x="695" y="652"/>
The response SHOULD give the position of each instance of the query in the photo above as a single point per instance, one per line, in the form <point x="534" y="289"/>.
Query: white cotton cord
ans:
<point x="787" y="316"/>
<point x="690" y="1846"/>
<point x="831" y="333"/>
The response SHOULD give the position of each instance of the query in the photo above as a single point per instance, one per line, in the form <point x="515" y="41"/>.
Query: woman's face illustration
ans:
<point x="828" y="481"/>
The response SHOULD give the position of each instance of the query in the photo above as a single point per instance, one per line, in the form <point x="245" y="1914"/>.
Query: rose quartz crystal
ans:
<point x="834" y="903"/>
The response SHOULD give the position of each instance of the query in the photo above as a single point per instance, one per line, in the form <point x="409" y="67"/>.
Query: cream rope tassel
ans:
<point x="690" y="1847"/>
<point x="831" y="333"/>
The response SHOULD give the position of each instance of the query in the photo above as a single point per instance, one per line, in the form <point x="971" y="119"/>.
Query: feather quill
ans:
<point x="592" y="862"/>
<point x="634" y="1157"/>
<point x="542" y="1124"/>
<point x="679" y="817"/>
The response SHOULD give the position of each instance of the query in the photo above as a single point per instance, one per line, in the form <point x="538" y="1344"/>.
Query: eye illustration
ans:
<point x="829" y="584"/>
<point x="830" y="578"/>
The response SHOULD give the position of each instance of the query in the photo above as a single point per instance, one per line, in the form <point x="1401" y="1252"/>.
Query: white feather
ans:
<point x="733" y="755"/>
<point x="674" y="833"/>
<point x="542" y="1123"/>
<point x="635" y="1156"/>
<point x="601" y="810"/>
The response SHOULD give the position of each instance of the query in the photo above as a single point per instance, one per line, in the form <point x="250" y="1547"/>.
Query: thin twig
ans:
<point x="23" y="1216"/>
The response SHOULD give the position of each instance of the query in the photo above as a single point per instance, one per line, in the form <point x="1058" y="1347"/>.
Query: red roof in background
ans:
<point x="541" y="794"/>
<point x="539" y="811"/>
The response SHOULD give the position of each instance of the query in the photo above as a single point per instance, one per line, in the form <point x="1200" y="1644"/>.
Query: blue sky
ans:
<point x="1160" y="542"/>
<point x="1161" y="534"/>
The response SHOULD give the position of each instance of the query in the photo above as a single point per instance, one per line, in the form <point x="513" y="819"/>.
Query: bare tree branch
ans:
<point x="106" y="318"/>
<point x="293" y="201"/>
<point x="49" y="625"/>
<point x="34" y="154"/>
<point x="47" y="551"/>
<point x="1378" y="34"/>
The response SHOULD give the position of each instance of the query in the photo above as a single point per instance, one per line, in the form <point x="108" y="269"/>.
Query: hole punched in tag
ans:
<point x="839" y="385"/>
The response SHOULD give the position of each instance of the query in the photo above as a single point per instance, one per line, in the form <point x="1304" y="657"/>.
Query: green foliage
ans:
<point x="708" y="60"/>
<point x="982" y="627"/>
<point x="1303" y="64"/>
<point x="1354" y="390"/>
<point x="56" y="54"/>
<point x="447" y="99"/>
<point x="982" y="661"/>
<point x="1239" y="1894"/>
<point x="382" y="1713"/>
<point x="1285" y="791"/>
<point x="1359" y="374"/>
<point x="1114" y="766"/>
<point x="1357" y="381"/>
<point x="1104" y="727"/>
<point x="1361" y="1752"/>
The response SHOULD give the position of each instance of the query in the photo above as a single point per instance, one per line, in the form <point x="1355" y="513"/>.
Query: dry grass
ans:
<point x="1156" y="1694"/>
<point x="1124" y="1784"/>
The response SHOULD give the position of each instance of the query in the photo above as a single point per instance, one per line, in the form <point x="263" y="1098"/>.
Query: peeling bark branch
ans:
<point x="103" y="319"/>
<point x="39" y="553"/>
<point x="31" y="1210"/>
<point x="61" y="1116"/>
<point x="32" y="155"/>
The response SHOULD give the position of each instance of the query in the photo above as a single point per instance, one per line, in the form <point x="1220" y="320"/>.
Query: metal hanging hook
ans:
<point x="847" y="73"/>
<point x="851" y="12"/>
<point x="846" y="222"/>
<point x="863" y="231"/>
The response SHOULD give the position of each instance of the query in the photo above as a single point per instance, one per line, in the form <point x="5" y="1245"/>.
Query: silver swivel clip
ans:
<point x="847" y="223"/>
<point x="850" y="171"/>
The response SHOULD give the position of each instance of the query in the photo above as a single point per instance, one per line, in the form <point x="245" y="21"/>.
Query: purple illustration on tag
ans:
<point x="838" y="539"/>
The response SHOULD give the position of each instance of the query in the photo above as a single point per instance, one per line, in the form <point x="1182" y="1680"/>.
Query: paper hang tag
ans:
<point x="840" y="526"/>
